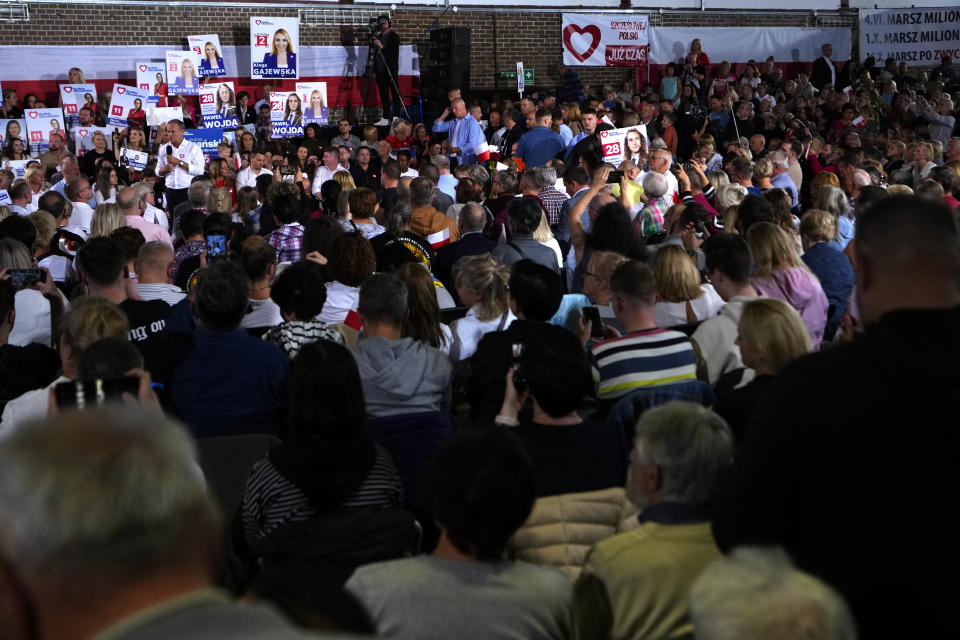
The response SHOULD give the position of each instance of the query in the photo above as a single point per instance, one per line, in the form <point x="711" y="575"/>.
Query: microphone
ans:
<point x="169" y="150"/>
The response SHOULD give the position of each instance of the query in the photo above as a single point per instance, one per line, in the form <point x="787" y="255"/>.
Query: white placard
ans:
<point x="740" y="44"/>
<point x="126" y="102"/>
<point x="209" y="52"/>
<point x="40" y="124"/>
<point x="286" y="115"/>
<point x="274" y="44"/>
<point x="134" y="159"/>
<point x="917" y="36"/>
<point x="73" y="97"/>
<point x="605" y="40"/>
<point x="182" y="74"/>
<point x="18" y="167"/>
<point x="13" y="129"/>
<point x="83" y="137"/>
<point x="218" y="104"/>
<point x="162" y="115"/>
<point x="313" y="95"/>
<point x="152" y="77"/>
<point x="619" y="144"/>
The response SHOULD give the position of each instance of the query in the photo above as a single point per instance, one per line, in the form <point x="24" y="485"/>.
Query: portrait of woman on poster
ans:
<point x="226" y="102"/>
<point x="55" y="127"/>
<point x="211" y="60"/>
<point x="187" y="80"/>
<point x="89" y="102"/>
<point x="281" y="53"/>
<point x="293" y="113"/>
<point x="315" y="110"/>
<point x="137" y="116"/>
<point x="13" y="131"/>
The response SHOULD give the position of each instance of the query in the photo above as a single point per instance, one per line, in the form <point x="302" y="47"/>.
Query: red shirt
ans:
<point x="397" y="143"/>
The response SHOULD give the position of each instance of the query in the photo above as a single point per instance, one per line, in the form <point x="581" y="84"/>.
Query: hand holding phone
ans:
<point x="592" y="315"/>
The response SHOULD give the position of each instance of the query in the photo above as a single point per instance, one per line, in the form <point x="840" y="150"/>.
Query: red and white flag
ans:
<point x="237" y="161"/>
<point x="483" y="151"/>
<point x="859" y="122"/>
<point x="439" y="238"/>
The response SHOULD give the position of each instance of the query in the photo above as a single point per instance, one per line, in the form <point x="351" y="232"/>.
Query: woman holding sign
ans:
<point x="293" y="113"/>
<point x="281" y="53"/>
<point x="15" y="150"/>
<point x="211" y="60"/>
<point x="187" y="80"/>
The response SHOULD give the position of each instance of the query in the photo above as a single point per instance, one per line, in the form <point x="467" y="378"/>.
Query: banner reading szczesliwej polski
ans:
<point x="916" y="36"/>
<point x="605" y="40"/>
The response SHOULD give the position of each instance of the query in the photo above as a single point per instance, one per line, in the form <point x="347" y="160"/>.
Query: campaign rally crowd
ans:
<point x="476" y="378"/>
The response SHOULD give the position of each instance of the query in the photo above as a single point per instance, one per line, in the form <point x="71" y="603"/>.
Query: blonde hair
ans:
<point x="776" y="330"/>
<point x="5" y="212"/>
<point x="543" y="233"/>
<point x="273" y="42"/>
<point x="818" y="225"/>
<point x="46" y="225"/>
<point x="90" y="319"/>
<point x="603" y="263"/>
<point x="107" y="218"/>
<point x="676" y="275"/>
<point x="763" y="168"/>
<point x="772" y="249"/>
<point x="345" y="180"/>
<point x="486" y="277"/>
<point x="729" y="195"/>
<point x="899" y="190"/>
<point x="823" y="179"/>
<point x="219" y="201"/>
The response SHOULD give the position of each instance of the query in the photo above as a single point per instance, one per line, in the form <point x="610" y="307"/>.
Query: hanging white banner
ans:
<point x="605" y="40"/>
<point x="919" y="36"/>
<point x="740" y="44"/>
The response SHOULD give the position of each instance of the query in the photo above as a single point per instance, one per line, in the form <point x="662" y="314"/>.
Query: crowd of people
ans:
<point x="470" y="378"/>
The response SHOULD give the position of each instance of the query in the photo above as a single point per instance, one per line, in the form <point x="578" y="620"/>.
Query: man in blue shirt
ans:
<point x="540" y="144"/>
<point x="464" y="131"/>
<point x="588" y="121"/>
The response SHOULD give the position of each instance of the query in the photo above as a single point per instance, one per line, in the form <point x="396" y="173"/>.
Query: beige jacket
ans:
<point x="561" y="529"/>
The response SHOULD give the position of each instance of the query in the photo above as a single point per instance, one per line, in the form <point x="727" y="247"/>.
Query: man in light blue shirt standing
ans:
<point x="464" y="131"/>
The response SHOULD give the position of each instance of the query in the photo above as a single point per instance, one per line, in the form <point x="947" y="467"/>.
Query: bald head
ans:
<point x="129" y="201"/>
<point x="472" y="218"/>
<point x="154" y="263"/>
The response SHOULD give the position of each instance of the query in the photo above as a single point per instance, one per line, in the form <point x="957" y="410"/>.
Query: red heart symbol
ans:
<point x="83" y="133"/>
<point x="258" y="22"/>
<point x="143" y="67"/>
<point x="68" y="88"/>
<point x="592" y="30"/>
<point x="121" y="90"/>
<point x="33" y="114"/>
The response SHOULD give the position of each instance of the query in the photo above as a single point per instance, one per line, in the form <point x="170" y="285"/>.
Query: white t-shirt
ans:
<point x="468" y="330"/>
<point x="341" y="299"/>
<point x="672" y="314"/>
<point x="263" y="313"/>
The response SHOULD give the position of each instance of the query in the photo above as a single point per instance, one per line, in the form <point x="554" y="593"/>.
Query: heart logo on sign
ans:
<point x="68" y="89"/>
<point x="143" y="67"/>
<point x="258" y="22"/>
<point x="83" y="133"/>
<point x="121" y="90"/>
<point x="33" y="114"/>
<point x="575" y="37"/>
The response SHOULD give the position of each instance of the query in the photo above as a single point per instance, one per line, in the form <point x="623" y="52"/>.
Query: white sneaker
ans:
<point x="382" y="122"/>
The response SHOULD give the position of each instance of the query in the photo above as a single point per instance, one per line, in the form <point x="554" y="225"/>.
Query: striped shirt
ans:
<point x="641" y="359"/>
<point x="270" y="500"/>
<point x="292" y="336"/>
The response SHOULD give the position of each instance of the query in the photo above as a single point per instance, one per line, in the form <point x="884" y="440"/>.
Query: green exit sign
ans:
<point x="527" y="75"/>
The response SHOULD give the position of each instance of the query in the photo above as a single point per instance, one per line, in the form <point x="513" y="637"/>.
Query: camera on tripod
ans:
<point x="374" y="32"/>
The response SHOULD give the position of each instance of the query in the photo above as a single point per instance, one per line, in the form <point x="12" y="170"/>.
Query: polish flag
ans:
<point x="237" y="161"/>
<point x="859" y="122"/>
<point x="439" y="238"/>
<point x="353" y="320"/>
<point x="848" y="90"/>
<point x="483" y="151"/>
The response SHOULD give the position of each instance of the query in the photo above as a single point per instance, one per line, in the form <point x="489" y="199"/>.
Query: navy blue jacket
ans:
<point x="836" y="277"/>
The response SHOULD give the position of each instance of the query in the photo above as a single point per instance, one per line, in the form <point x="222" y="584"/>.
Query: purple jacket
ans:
<point x="801" y="290"/>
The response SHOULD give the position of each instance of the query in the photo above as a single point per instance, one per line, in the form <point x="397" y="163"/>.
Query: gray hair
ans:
<point x="14" y="255"/>
<point x="132" y="499"/>
<point x="399" y="215"/>
<point x="654" y="184"/>
<point x="729" y="195"/>
<point x="756" y="594"/>
<point x="537" y="178"/>
<point x="478" y="173"/>
<point x="549" y="175"/>
<point x="473" y="217"/>
<point x="779" y="159"/>
<point x="690" y="443"/>
<point x="142" y="189"/>
<point x="383" y="298"/>
<point x="197" y="193"/>
<point x="834" y="200"/>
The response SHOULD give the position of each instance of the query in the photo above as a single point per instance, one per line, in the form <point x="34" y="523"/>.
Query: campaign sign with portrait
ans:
<point x="83" y="137"/>
<point x="127" y="104"/>
<point x="286" y="114"/>
<point x="620" y="144"/>
<point x="133" y="159"/>
<point x="74" y="97"/>
<point x="218" y="104"/>
<point x="12" y="129"/>
<point x="40" y="124"/>
<point x="313" y="96"/>
<point x="274" y="43"/>
<point x="182" y="74"/>
<point x="210" y="53"/>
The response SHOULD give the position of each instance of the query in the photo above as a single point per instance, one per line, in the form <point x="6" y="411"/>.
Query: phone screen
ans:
<point x="216" y="245"/>
<point x="21" y="278"/>
<point x="592" y="315"/>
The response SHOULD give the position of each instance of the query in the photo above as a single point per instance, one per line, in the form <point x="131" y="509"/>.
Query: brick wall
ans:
<point x="499" y="40"/>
